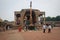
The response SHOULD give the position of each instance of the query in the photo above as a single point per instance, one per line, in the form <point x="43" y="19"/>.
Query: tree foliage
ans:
<point x="57" y="18"/>
<point x="48" y="18"/>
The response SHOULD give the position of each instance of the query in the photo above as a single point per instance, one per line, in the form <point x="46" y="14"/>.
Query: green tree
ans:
<point x="6" y="21"/>
<point x="48" y="18"/>
<point x="53" y="19"/>
<point x="57" y="18"/>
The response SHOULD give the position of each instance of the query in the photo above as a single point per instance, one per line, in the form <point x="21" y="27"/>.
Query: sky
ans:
<point x="7" y="7"/>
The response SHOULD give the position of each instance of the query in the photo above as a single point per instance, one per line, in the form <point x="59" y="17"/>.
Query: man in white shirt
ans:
<point x="44" y="28"/>
<point x="49" y="28"/>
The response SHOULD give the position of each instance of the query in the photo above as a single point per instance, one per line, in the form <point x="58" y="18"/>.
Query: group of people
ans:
<point x="47" y="26"/>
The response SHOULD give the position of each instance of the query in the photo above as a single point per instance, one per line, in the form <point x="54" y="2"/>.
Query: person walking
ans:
<point x="44" y="28"/>
<point x="49" y="28"/>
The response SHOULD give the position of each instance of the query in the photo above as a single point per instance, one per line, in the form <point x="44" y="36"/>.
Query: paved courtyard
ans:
<point x="31" y="35"/>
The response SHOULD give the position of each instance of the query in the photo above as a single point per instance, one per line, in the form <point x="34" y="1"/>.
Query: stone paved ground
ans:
<point x="31" y="35"/>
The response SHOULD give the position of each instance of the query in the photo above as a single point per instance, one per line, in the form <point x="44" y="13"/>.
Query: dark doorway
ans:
<point x="7" y="27"/>
<point x="18" y="15"/>
<point x="33" y="17"/>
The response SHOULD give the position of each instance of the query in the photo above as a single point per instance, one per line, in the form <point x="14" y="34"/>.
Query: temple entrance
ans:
<point x="27" y="19"/>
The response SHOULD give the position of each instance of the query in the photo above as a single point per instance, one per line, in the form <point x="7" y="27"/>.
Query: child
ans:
<point x="20" y="28"/>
